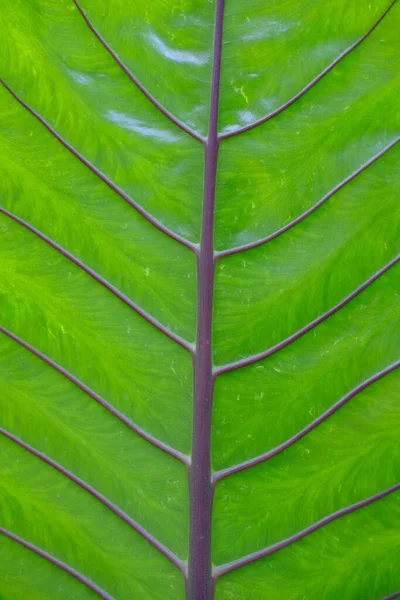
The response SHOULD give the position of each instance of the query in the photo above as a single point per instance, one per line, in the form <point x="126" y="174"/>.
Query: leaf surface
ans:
<point x="199" y="300"/>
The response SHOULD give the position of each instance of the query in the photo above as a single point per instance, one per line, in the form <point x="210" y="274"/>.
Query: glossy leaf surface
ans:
<point x="153" y="191"/>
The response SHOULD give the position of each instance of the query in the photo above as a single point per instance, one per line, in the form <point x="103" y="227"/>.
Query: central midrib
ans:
<point x="199" y="584"/>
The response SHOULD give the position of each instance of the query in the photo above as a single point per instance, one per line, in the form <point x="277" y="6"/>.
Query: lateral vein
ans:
<point x="339" y="186"/>
<point x="100" y="174"/>
<point x="300" y="434"/>
<point x="246" y="560"/>
<point x="120" y="513"/>
<point x="149" y="438"/>
<point x="170" y="334"/>
<point x="58" y="563"/>
<point x="134" y="79"/>
<point x="312" y="83"/>
<point x="243" y="362"/>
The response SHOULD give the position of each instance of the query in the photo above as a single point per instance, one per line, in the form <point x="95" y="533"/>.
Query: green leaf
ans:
<point x="199" y="300"/>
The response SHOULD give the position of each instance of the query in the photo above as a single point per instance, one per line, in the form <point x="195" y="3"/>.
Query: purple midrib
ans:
<point x="200" y="585"/>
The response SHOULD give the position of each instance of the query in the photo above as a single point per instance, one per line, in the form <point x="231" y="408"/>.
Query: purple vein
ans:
<point x="200" y="585"/>
<point x="173" y="336"/>
<point x="395" y="595"/>
<point x="57" y="562"/>
<point x="261" y="355"/>
<point x="310" y="85"/>
<point x="132" y="77"/>
<point x="131" y="522"/>
<point x="295" y="438"/>
<point x="308" y="212"/>
<point x="241" y="562"/>
<point x="154" y="441"/>
<point x="100" y="174"/>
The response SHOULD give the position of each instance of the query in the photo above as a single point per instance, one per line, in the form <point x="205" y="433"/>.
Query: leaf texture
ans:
<point x="199" y="300"/>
